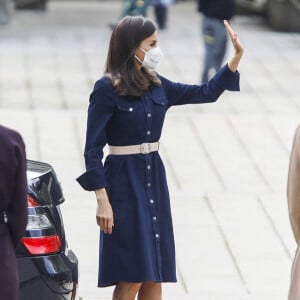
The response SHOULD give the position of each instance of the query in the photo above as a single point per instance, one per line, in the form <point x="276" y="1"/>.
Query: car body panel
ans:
<point x="51" y="275"/>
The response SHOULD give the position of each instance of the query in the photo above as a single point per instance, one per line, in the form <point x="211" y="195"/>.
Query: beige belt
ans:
<point x="144" y="148"/>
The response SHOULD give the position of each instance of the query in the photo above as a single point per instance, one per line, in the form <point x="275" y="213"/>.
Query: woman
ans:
<point x="13" y="209"/>
<point x="126" y="111"/>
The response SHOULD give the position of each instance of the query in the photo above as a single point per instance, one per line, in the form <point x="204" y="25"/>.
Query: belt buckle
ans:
<point x="145" y="148"/>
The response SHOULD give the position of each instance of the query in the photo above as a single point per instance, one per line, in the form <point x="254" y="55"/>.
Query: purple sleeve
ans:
<point x="17" y="210"/>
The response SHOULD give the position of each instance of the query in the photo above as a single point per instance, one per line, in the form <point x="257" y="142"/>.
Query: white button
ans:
<point x="148" y="132"/>
<point x="149" y="115"/>
<point x="157" y="235"/>
<point x="149" y="184"/>
<point x="154" y="218"/>
<point x="148" y="167"/>
<point x="130" y="109"/>
<point x="151" y="201"/>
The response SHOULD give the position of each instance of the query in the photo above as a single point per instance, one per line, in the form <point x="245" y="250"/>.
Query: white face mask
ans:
<point x="151" y="58"/>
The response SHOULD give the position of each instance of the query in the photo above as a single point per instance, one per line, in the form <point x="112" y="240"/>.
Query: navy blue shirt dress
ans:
<point x="141" y="247"/>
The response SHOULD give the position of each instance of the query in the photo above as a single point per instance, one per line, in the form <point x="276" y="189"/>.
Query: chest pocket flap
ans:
<point x="128" y="106"/>
<point x="160" y="100"/>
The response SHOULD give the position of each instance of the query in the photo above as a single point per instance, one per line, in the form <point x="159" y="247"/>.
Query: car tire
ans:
<point x="283" y="15"/>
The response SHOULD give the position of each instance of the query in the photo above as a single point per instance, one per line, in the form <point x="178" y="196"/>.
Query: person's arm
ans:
<point x="100" y="110"/>
<point x="17" y="210"/>
<point x="293" y="186"/>
<point x="180" y="94"/>
<point x="227" y="78"/>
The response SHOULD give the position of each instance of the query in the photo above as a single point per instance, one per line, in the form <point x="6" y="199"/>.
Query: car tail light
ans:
<point x="42" y="245"/>
<point x="31" y="202"/>
<point x="39" y="221"/>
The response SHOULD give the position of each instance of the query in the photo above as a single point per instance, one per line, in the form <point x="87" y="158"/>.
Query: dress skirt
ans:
<point x="141" y="247"/>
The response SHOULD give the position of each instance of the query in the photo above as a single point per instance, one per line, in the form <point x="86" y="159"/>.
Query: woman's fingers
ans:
<point x="238" y="48"/>
<point x="98" y="220"/>
<point x="105" y="219"/>
<point x="229" y="29"/>
<point x="110" y="224"/>
<point x="234" y="39"/>
<point x="231" y="33"/>
<point x="105" y="224"/>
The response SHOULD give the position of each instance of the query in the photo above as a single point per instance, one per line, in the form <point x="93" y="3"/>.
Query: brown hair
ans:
<point x="121" y="67"/>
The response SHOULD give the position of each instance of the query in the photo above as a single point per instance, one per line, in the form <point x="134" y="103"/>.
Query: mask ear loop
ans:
<point x="137" y="58"/>
<point x="142" y="50"/>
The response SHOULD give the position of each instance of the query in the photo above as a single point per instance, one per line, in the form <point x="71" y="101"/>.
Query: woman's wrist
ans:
<point x="101" y="195"/>
<point x="234" y="63"/>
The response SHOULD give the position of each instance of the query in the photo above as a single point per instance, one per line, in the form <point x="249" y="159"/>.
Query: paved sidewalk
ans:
<point x="226" y="162"/>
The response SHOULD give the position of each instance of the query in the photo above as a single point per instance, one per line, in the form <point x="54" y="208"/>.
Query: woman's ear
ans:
<point x="140" y="54"/>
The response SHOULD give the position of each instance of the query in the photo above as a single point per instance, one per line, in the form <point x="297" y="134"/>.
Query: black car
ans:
<point x="48" y="269"/>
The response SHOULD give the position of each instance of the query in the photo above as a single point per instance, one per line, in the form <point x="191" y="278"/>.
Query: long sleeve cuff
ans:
<point x="92" y="179"/>
<point x="227" y="79"/>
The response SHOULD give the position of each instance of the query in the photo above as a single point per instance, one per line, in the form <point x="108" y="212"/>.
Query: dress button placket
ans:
<point x="152" y="202"/>
<point x="153" y="213"/>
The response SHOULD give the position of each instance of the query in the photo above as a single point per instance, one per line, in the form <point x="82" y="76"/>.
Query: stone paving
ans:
<point x="226" y="162"/>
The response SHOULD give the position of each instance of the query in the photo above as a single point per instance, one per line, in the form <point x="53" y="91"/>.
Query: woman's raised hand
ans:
<point x="234" y="62"/>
